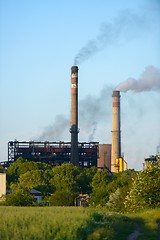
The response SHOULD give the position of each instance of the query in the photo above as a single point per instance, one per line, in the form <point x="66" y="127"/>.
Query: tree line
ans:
<point x="60" y="185"/>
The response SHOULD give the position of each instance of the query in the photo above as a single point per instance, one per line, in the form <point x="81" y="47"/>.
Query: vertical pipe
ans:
<point x="116" y="130"/>
<point x="74" y="115"/>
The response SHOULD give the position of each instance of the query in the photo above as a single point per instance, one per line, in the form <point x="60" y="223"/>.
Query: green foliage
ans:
<point x="32" y="179"/>
<point x="118" y="189"/>
<point x="145" y="190"/>
<point x="64" y="177"/>
<point x="100" y="194"/>
<point x="2" y="170"/>
<point x="62" y="198"/>
<point x="19" y="199"/>
<point x="84" y="179"/>
<point x="60" y="185"/>
<point x="21" y="166"/>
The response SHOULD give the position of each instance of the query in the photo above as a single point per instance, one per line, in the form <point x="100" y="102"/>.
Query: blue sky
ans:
<point x="38" y="45"/>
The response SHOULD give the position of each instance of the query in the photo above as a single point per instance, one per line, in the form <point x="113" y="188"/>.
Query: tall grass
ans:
<point x="41" y="223"/>
<point x="70" y="223"/>
<point x="148" y="222"/>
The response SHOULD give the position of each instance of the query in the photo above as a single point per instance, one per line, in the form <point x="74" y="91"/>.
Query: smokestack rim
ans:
<point x="74" y="69"/>
<point x="116" y="93"/>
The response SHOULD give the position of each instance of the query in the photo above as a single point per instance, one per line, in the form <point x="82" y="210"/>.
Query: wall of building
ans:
<point x="2" y="184"/>
<point x="104" y="159"/>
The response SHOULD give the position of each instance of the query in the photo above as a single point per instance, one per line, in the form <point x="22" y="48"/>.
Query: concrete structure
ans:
<point x="104" y="160"/>
<point x="74" y="116"/>
<point x="2" y="184"/>
<point x="116" y="130"/>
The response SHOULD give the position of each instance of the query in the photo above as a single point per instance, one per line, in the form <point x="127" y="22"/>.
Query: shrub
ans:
<point x="62" y="198"/>
<point x="19" y="199"/>
<point x="145" y="190"/>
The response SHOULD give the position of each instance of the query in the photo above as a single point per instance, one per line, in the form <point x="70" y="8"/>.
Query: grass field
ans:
<point x="74" y="223"/>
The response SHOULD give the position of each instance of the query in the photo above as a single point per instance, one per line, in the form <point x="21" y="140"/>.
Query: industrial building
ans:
<point x="2" y="184"/>
<point x="85" y="154"/>
<point x="54" y="153"/>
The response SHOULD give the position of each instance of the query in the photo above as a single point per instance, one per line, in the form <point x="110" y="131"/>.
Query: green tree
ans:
<point x="100" y="194"/>
<point x="84" y="179"/>
<point x="64" y="177"/>
<point x="21" y="166"/>
<point x="118" y="189"/>
<point x="2" y="170"/>
<point x="62" y="198"/>
<point x="64" y="181"/>
<point x="37" y="179"/>
<point x="145" y="190"/>
<point x="19" y="199"/>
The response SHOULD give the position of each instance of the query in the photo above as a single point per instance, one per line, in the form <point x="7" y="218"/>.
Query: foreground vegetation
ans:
<point x="119" y="204"/>
<point x="127" y="191"/>
<point x="73" y="223"/>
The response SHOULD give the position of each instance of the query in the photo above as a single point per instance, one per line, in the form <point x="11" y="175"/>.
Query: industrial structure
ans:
<point x="152" y="160"/>
<point x="54" y="153"/>
<point x="74" y="116"/>
<point x="85" y="154"/>
<point x="116" y="130"/>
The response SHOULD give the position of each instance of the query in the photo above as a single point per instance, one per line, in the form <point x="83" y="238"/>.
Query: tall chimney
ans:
<point x="74" y="116"/>
<point x="116" y="130"/>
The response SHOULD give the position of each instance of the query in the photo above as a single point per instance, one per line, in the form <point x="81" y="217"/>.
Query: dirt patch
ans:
<point x="135" y="234"/>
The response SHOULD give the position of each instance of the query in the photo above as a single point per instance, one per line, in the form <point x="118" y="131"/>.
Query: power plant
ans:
<point x="84" y="154"/>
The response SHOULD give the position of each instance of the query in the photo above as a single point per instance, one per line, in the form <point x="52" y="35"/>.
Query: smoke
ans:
<point x="56" y="131"/>
<point x="92" y="135"/>
<point x="94" y="112"/>
<point x="127" y="25"/>
<point x="95" y="116"/>
<point x="148" y="81"/>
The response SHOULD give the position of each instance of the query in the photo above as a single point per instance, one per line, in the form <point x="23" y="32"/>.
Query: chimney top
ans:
<point x="116" y="93"/>
<point x="74" y="69"/>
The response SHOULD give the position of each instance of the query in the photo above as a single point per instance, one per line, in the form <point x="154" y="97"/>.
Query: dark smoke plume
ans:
<point x="149" y="81"/>
<point x="125" y="26"/>
<point x="92" y="135"/>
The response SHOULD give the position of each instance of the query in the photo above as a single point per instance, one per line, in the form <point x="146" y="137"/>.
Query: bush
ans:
<point x="62" y="198"/>
<point x="20" y="199"/>
<point x="116" y="200"/>
<point x="145" y="190"/>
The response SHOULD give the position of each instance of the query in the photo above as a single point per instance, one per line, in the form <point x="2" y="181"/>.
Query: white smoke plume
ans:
<point x="127" y="25"/>
<point x="148" y="81"/>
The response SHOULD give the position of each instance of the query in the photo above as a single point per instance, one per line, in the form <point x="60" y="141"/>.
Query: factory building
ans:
<point x="85" y="154"/>
<point x="54" y="153"/>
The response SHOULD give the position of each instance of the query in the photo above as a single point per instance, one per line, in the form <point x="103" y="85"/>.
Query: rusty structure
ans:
<point x="54" y="153"/>
<point x="74" y="116"/>
<point x="116" y="130"/>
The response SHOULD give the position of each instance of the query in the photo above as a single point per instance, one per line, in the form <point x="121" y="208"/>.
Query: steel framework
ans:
<point x="54" y="153"/>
